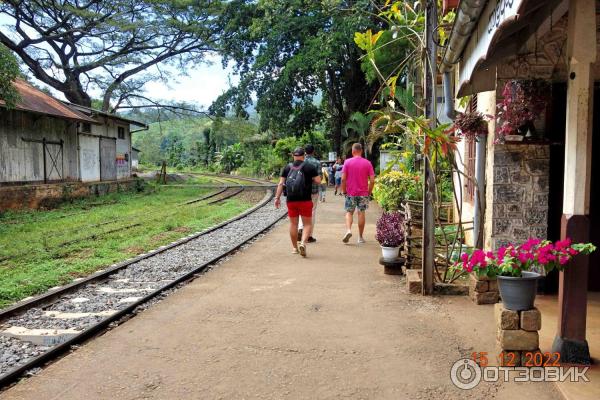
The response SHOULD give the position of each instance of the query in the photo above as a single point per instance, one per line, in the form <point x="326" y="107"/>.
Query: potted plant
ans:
<point x="471" y="125"/>
<point x="390" y="234"/>
<point x="517" y="267"/>
<point x="523" y="101"/>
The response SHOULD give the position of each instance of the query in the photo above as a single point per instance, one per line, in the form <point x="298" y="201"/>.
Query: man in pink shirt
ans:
<point x="358" y="179"/>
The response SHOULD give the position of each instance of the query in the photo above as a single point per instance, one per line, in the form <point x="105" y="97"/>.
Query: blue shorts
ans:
<point x="338" y="181"/>
<point x="354" y="202"/>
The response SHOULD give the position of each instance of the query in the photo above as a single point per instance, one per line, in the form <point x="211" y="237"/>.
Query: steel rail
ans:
<point x="99" y="327"/>
<point x="51" y="295"/>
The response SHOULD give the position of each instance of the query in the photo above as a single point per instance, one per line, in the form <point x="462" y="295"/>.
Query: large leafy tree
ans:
<point x="290" y="52"/>
<point x="9" y="71"/>
<point x="114" y="46"/>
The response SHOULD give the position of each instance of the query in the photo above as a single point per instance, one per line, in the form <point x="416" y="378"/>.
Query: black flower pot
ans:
<point x="518" y="293"/>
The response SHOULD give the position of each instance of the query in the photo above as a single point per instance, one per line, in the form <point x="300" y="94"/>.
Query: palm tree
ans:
<point x="356" y="129"/>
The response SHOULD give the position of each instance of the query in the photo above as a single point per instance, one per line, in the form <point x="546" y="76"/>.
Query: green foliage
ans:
<point x="289" y="53"/>
<point x="113" y="47"/>
<point x="190" y="142"/>
<point x="231" y="158"/>
<point x="394" y="187"/>
<point x="38" y="261"/>
<point x="9" y="71"/>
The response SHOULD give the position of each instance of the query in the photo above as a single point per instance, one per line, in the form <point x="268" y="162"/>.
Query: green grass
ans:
<point x="42" y="249"/>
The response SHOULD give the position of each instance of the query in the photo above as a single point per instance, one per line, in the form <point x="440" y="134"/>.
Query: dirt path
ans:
<point x="270" y="325"/>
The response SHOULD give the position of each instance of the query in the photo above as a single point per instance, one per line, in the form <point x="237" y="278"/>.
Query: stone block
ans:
<point x="493" y="285"/>
<point x="518" y="339"/>
<point x="506" y="319"/>
<point x="531" y="320"/>
<point x="536" y="216"/>
<point x="540" y="199"/>
<point x="501" y="175"/>
<point x="501" y="226"/>
<point x="541" y="183"/>
<point x="508" y="194"/>
<point x="507" y="157"/>
<point x="414" y="283"/>
<point x="485" y="298"/>
<point x="537" y="166"/>
<point x="539" y="232"/>
<point x="520" y="178"/>
<point x="521" y="234"/>
<point x="477" y="285"/>
<point x="514" y="211"/>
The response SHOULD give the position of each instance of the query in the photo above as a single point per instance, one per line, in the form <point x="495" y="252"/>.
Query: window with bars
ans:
<point x="469" y="183"/>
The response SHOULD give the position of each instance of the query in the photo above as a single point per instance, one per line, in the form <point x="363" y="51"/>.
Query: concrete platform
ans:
<point x="268" y="324"/>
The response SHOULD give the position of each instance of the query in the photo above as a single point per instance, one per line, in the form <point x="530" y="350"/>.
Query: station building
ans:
<point x="547" y="186"/>
<point x="49" y="149"/>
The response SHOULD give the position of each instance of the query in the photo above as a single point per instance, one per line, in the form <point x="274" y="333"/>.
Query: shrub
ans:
<point x="392" y="188"/>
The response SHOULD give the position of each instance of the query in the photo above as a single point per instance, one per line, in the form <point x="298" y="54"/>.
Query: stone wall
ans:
<point x="50" y="195"/>
<point x="520" y="193"/>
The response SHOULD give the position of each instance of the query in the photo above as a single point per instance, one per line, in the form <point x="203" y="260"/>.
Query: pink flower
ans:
<point x="501" y="252"/>
<point x="563" y="244"/>
<point x="563" y="260"/>
<point x="523" y="258"/>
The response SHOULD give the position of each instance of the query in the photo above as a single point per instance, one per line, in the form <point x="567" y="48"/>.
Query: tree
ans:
<point x="290" y="52"/>
<point x="113" y="46"/>
<point x="357" y="129"/>
<point x="9" y="71"/>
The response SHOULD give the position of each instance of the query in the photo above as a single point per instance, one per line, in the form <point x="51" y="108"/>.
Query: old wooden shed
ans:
<point x="44" y="140"/>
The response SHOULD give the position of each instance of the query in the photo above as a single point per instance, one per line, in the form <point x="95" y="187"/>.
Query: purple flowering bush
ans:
<point x="390" y="229"/>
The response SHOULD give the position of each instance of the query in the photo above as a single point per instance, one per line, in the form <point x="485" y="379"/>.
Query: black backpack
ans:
<point x="295" y="184"/>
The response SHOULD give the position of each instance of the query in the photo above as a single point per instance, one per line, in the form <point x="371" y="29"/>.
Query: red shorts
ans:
<point x="303" y="208"/>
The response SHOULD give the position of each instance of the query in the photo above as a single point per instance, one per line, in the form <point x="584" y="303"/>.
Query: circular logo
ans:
<point x="465" y="374"/>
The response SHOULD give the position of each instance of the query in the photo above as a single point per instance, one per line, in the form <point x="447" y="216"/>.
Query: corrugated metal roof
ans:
<point x="34" y="100"/>
<point x="93" y="112"/>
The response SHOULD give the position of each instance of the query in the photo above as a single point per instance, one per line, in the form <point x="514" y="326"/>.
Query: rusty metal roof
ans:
<point x="34" y="100"/>
<point x="94" y="113"/>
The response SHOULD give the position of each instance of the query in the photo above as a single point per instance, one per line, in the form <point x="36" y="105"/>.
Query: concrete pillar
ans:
<point x="570" y="339"/>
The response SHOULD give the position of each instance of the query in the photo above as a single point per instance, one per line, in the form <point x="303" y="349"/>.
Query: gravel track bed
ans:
<point x="144" y="276"/>
<point x="15" y="352"/>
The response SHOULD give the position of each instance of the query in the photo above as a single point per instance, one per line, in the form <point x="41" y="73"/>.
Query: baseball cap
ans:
<point x="299" y="151"/>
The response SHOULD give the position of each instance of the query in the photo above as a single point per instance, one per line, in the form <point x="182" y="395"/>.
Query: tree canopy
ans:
<point x="9" y="71"/>
<point x="117" y="46"/>
<point x="289" y="53"/>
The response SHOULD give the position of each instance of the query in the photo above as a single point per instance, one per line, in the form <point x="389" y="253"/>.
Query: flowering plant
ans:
<point x="511" y="260"/>
<point x="390" y="230"/>
<point x="471" y="125"/>
<point x="522" y="103"/>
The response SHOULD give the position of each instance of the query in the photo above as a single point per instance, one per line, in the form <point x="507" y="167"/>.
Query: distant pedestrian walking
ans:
<point x="358" y="179"/>
<point x="324" y="182"/>
<point x="316" y="187"/>
<point x="338" y="176"/>
<point x="298" y="178"/>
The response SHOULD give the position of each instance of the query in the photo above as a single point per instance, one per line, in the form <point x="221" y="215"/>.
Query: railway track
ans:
<point x="115" y="225"/>
<point x="35" y="331"/>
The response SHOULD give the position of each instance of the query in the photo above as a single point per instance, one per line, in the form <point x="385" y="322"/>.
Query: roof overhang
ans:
<point x="502" y="28"/>
<point x="35" y="101"/>
<point x="94" y="113"/>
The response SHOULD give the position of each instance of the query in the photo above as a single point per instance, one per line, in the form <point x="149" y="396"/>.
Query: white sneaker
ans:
<point x="347" y="237"/>
<point x="302" y="248"/>
<point x="360" y="240"/>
